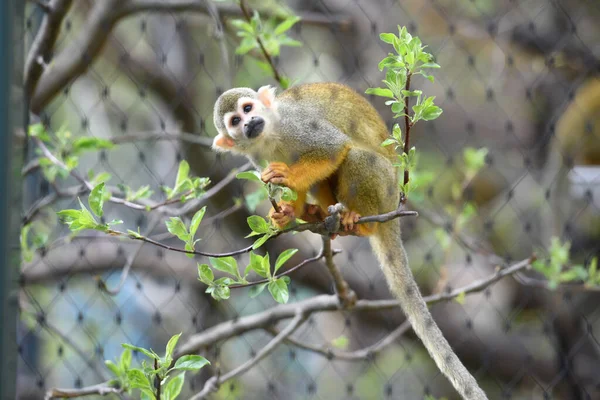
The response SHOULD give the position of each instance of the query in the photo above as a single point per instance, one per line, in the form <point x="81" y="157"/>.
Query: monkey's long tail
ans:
<point x="388" y="248"/>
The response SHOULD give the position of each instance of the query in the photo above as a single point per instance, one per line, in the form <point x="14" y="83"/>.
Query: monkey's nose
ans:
<point x="254" y="127"/>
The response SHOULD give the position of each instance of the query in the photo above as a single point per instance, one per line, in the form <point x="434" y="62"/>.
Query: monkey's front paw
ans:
<point x="277" y="173"/>
<point x="284" y="216"/>
<point x="348" y="222"/>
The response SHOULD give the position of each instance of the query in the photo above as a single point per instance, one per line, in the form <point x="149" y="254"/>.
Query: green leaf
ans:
<point x="173" y="387"/>
<point x="246" y="45"/>
<point x="134" y="234"/>
<point x="283" y="257"/>
<point x="397" y="107"/>
<point x="113" y="368"/>
<point x="196" y="221"/>
<point x="257" y="265"/>
<point x="249" y="175"/>
<point x="38" y="130"/>
<point x="430" y="65"/>
<point x="138" y="380"/>
<point x="91" y="143"/>
<point x="593" y="269"/>
<point x="387" y="142"/>
<point x="380" y="92"/>
<point x="279" y="290"/>
<point x="176" y="227"/>
<point x="190" y="362"/>
<point x="171" y="347"/>
<point x="125" y="361"/>
<point x="287" y="41"/>
<point x="258" y="224"/>
<point x="219" y="292"/>
<point x="341" y="342"/>
<point x="182" y="173"/>
<point x="286" y="25"/>
<point x="225" y="264"/>
<point x="387" y="37"/>
<point x="243" y="25"/>
<point x="431" y="113"/>
<point x="474" y="159"/>
<point x="460" y="299"/>
<point x="257" y="289"/>
<point x="96" y="199"/>
<point x="145" y="352"/>
<point x="205" y="274"/>
<point x="260" y="241"/>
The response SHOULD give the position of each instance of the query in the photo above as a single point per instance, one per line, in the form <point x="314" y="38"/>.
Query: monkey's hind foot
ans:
<point x="348" y="220"/>
<point x="285" y="215"/>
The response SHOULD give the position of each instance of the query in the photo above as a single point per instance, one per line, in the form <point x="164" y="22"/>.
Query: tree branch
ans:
<point x="101" y="389"/>
<point x="362" y="354"/>
<point x="263" y="49"/>
<point x="43" y="44"/>
<point x="324" y="303"/>
<point x="213" y="383"/>
<point x="78" y="56"/>
<point x="342" y="289"/>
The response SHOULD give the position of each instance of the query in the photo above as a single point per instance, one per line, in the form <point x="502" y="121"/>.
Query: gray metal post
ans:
<point x="12" y="119"/>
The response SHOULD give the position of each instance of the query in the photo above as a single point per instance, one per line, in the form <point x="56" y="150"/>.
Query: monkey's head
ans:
<point x="244" y="118"/>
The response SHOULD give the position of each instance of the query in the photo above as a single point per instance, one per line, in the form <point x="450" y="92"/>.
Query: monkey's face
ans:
<point x="245" y="119"/>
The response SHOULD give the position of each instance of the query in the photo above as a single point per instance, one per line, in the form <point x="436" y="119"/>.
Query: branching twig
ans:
<point x="213" y="383"/>
<point x="362" y="354"/>
<point x="321" y="228"/>
<point x="161" y="135"/>
<point x="341" y="22"/>
<point x="324" y="303"/>
<point x="130" y="259"/>
<point x="287" y="272"/>
<point x="263" y="49"/>
<point x="407" y="126"/>
<point x="44" y="41"/>
<point x="343" y="290"/>
<point x="299" y="312"/>
<point x="101" y="389"/>
<point x="142" y="205"/>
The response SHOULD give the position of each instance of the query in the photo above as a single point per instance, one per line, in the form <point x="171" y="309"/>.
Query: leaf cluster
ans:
<point x="156" y="376"/>
<point x="65" y="148"/>
<point x="219" y="288"/>
<point x="185" y="186"/>
<point x="556" y="267"/>
<point x="81" y="219"/>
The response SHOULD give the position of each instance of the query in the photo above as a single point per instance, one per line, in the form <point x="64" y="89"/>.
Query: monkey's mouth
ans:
<point x="254" y="128"/>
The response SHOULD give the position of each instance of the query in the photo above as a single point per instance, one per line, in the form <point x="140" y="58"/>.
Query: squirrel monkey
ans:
<point x="324" y="139"/>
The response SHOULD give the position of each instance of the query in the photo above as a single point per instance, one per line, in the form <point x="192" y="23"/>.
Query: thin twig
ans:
<point x="287" y="272"/>
<point x="129" y="262"/>
<point x="324" y="303"/>
<point x="347" y="296"/>
<point x="300" y="311"/>
<point x="161" y="135"/>
<point x="263" y="49"/>
<point x="101" y="389"/>
<point x="407" y="126"/>
<point x="213" y="383"/>
<point x="361" y="354"/>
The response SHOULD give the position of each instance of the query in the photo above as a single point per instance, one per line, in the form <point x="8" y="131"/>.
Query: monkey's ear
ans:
<point x="222" y="142"/>
<point x="266" y="95"/>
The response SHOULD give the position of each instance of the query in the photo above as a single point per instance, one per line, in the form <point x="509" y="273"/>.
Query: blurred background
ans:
<point x="520" y="78"/>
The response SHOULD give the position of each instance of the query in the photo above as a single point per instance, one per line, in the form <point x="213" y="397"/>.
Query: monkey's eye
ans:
<point x="235" y="121"/>
<point x="247" y="108"/>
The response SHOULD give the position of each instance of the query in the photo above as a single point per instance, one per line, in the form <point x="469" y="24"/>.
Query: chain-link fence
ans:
<point x="519" y="78"/>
